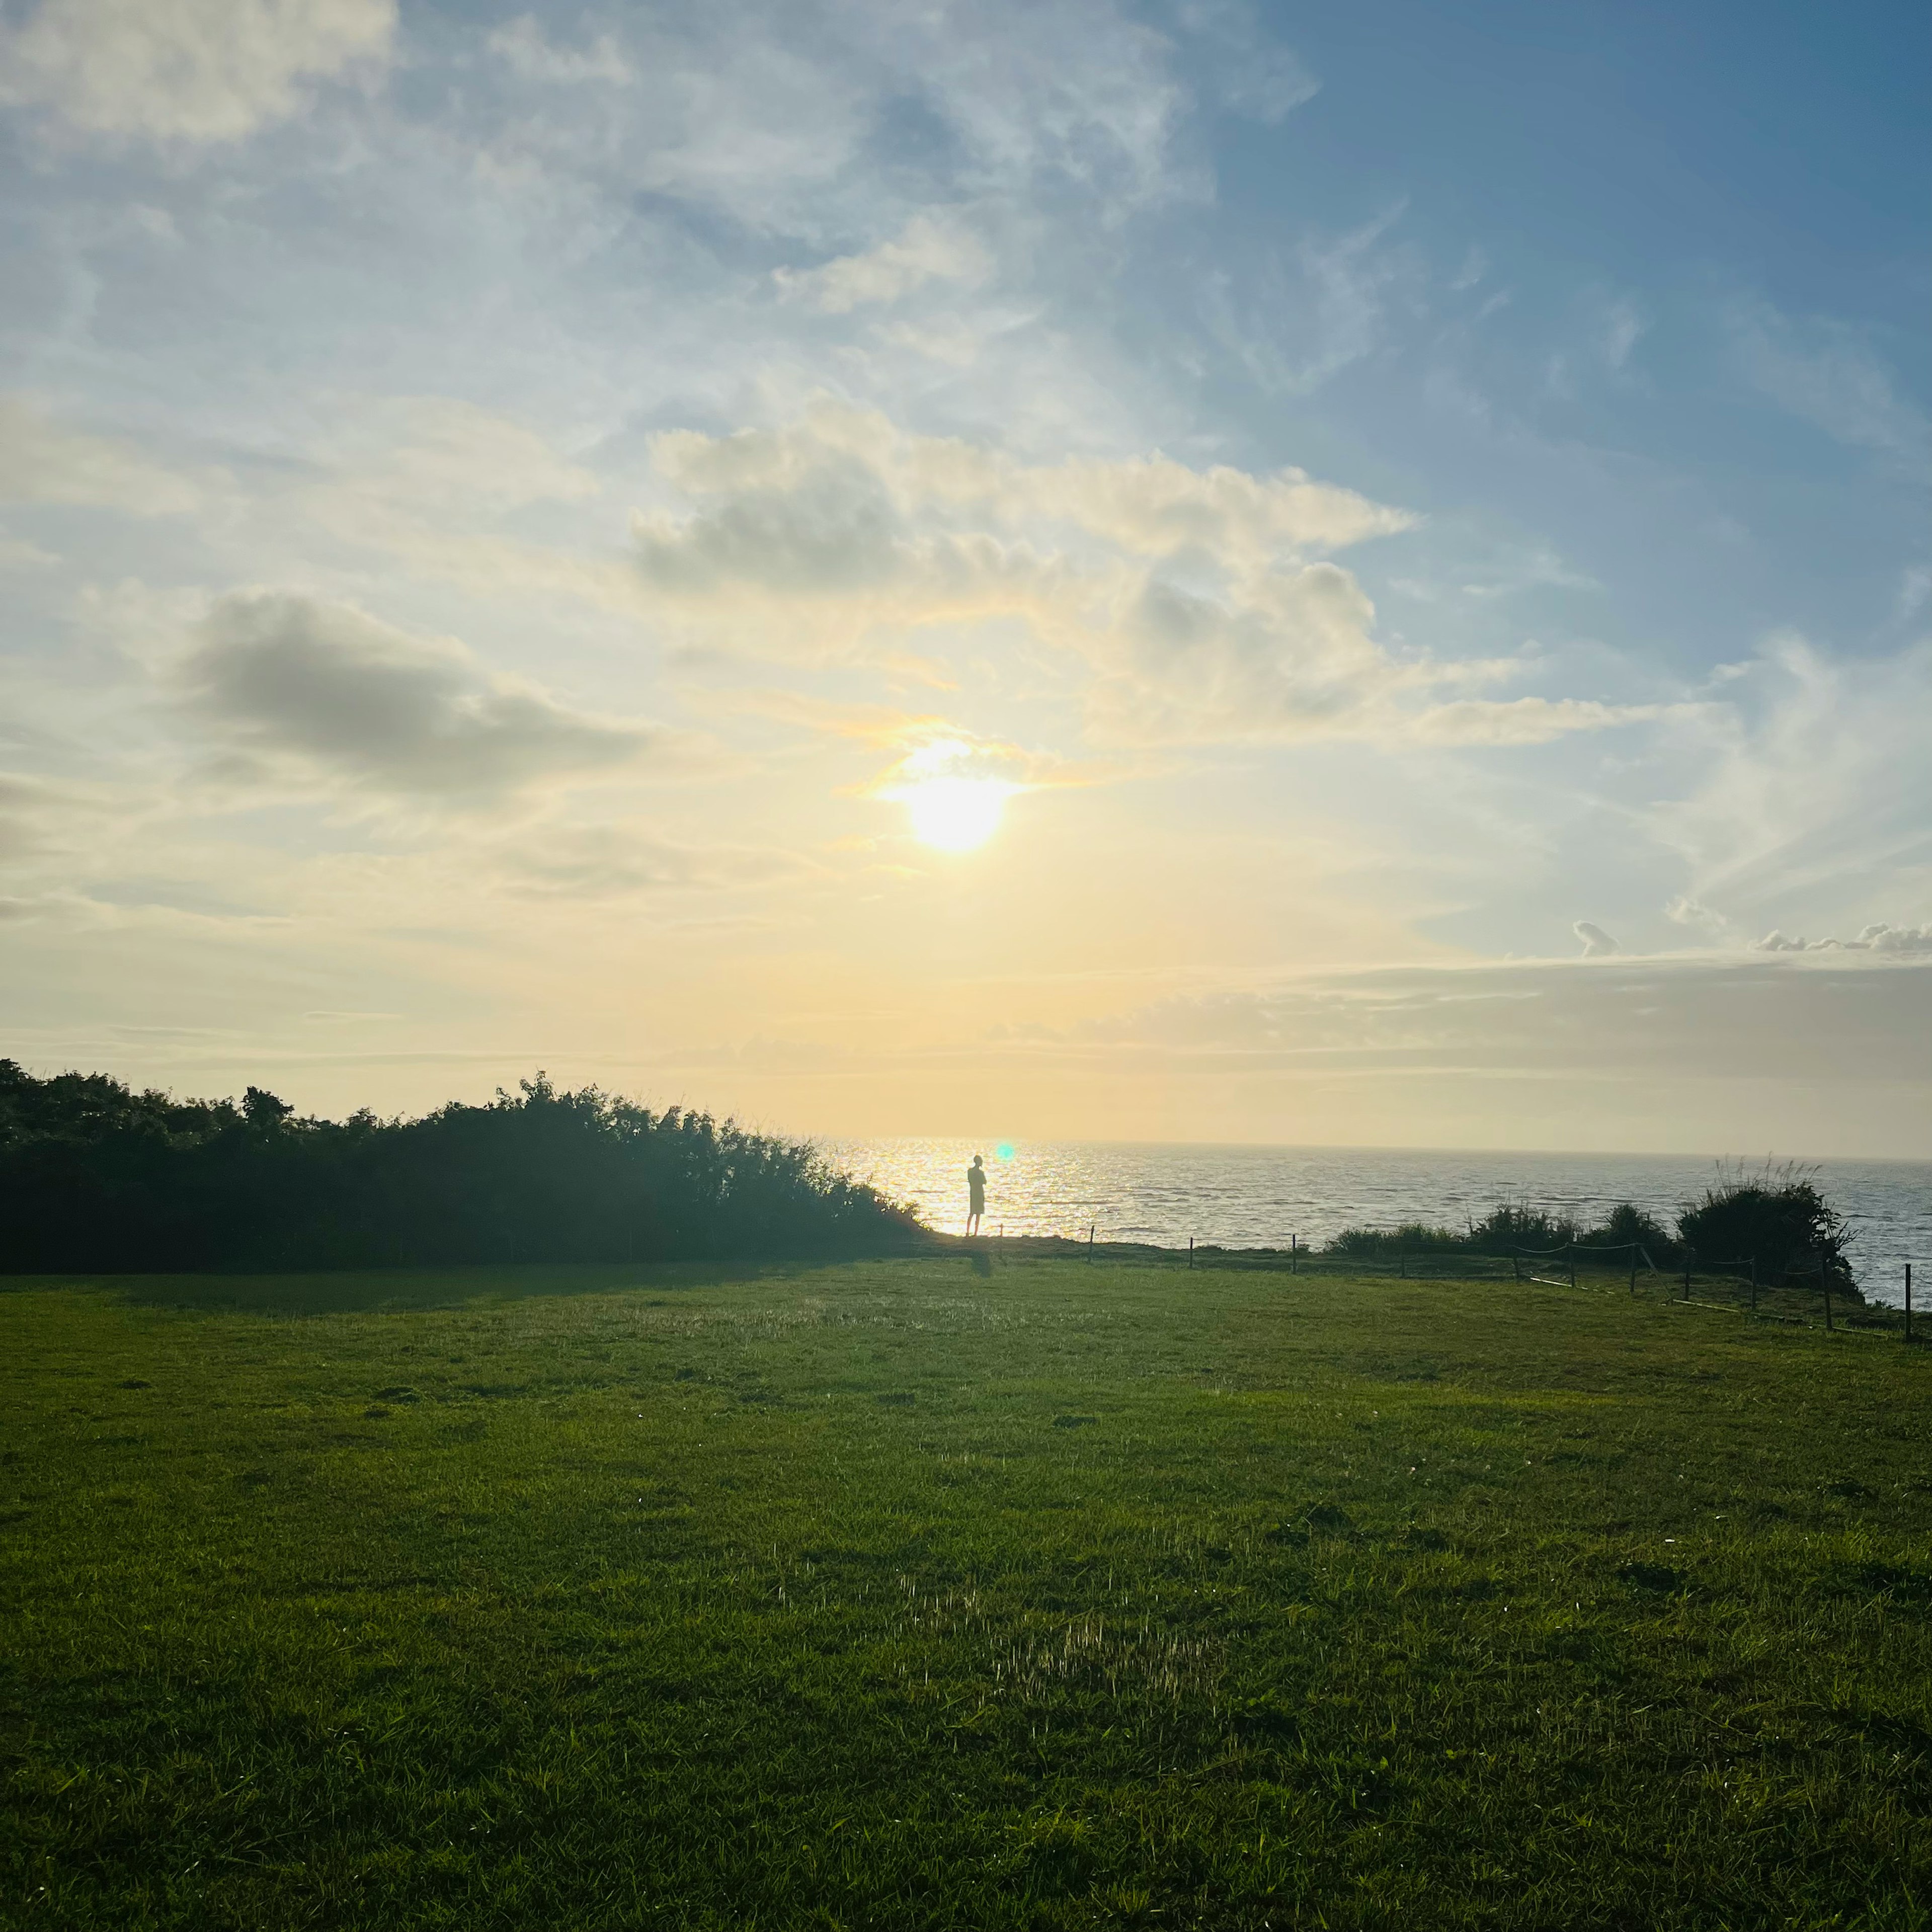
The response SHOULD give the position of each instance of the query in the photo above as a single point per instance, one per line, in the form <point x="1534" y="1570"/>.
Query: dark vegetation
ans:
<point x="94" y="1176"/>
<point x="1776" y="1219"/>
<point x="899" y="1595"/>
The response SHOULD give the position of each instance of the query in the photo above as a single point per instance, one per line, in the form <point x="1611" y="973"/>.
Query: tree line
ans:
<point x="94" y="1176"/>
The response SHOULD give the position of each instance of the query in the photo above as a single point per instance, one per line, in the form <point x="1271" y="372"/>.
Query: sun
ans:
<point x="956" y="815"/>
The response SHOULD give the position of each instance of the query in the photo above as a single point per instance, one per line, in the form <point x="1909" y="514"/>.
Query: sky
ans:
<point x="1350" y="575"/>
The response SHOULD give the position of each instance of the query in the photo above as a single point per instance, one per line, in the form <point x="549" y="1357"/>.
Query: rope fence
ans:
<point x="1690" y="1280"/>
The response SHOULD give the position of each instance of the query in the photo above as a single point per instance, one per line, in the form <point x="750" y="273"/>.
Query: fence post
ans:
<point x="1754" y="1284"/>
<point x="1689" y="1255"/>
<point x="1824" y="1282"/>
<point x="1401" y="1261"/>
<point x="1633" y="1254"/>
<point x="1908" y="1301"/>
<point x="1090" y="1226"/>
<point x="1190" y="1251"/>
<point x="1293" y="1254"/>
<point x="1573" y="1267"/>
<point x="1516" y="1267"/>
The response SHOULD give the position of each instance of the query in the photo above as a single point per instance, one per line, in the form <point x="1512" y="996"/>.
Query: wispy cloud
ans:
<point x="1306" y="313"/>
<point x="186" y="70"/>
<point x="927" y="249"/>
<point x="1826" y="373"/>
<point x="524" y="45"/>
<point x="1813" y="787"/>
<point x="1601" y="1017"/>
<point x="41" y="461"/>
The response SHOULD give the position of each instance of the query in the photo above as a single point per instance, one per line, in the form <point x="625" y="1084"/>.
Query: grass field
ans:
<point x="944" y="1593"/>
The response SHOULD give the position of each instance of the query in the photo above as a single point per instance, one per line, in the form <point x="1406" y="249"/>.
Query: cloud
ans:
<point x="1518" y="721"/>
<point x="1299" y="317"/>
<point x="1688" y="1018"/>
<point x="1081" y="91"/>
<point x="837" y="464"/>
<point x="1623" y="325"/>
<point x="1681" y="909"/>
<point x="1902" y="941"/>
<point x="201" y="70"/>
<point x="522" y="45"/>
<point x="439" y="483"/>
<point x="1598" y="944"/>
<point x="619" y="861"/>
<point x="42" y="463"/>
<point x="34" y="813"/>
<point x="1814" y="795"/>
<point x="817" y="120"/>
<point x="1198" y="600"/>
<point x="925" y="250"/>
<point x="414" y="454"/>
<point x="287" y="679"/>
<point x="1824" y="373"/>
<point x="1254" y="75"/>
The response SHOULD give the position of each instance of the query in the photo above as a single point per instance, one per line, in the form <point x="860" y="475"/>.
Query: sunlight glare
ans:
<point x="956" y="815"/>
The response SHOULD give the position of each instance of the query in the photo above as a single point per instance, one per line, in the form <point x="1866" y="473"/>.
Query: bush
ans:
<point x="96" y="1176"/>
<point x="1776" y="1218"/>
<point x="1627" y="1224"/>
<point x="1413" y="1237"/>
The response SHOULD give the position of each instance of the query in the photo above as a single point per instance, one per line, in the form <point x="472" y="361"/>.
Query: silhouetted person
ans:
<point x="976" y="1194"/>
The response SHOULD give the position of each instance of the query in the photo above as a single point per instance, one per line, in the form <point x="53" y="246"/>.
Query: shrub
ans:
<point x="1776" y="1218"/>
<point x="98" y="1177"/>
<point x="1626" y="1224"/>
<point x="1413" y="1238"/>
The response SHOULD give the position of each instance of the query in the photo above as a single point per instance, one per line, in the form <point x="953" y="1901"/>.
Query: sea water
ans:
<point x="1258" y="1196"/>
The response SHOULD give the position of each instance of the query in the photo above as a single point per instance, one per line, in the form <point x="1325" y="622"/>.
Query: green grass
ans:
<point x="931" y="1593"/>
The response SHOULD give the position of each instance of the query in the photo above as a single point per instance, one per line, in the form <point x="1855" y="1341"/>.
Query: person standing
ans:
<point x="976" y="1194"/>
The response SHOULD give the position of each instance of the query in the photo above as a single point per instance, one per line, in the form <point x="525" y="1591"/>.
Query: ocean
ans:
<point x="1258" y="1196"/>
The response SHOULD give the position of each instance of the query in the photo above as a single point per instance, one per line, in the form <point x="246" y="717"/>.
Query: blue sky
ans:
<point x="509" y="511"/>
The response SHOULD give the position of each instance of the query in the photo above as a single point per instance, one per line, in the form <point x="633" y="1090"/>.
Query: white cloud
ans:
<point x="1825" y="374"/>
<point x="430" y="451"/>
<point x="1515" y="720"/>
<point x="1080" y="91"/>
<point x="200" y="71"/>
<point x="1598" y="944"/>
<point x="1258" y="77"/>
<point x="1150" y="505"/>
<point x="1301" y="316"/>
<point x="1623" y="327"/>
<point x="523" y="46"/>
<point x="1198" y="600"/>
<point x="786" y="117"/>
<point x="438" y="483"/>
<point x="925" y="250"/>
<point x="42" y="463"/>
<point x="1813" y="794"/>
<point x="286" y="681"/>
<point x="1682" y="910"/>
<point x="1896" y="940"/>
